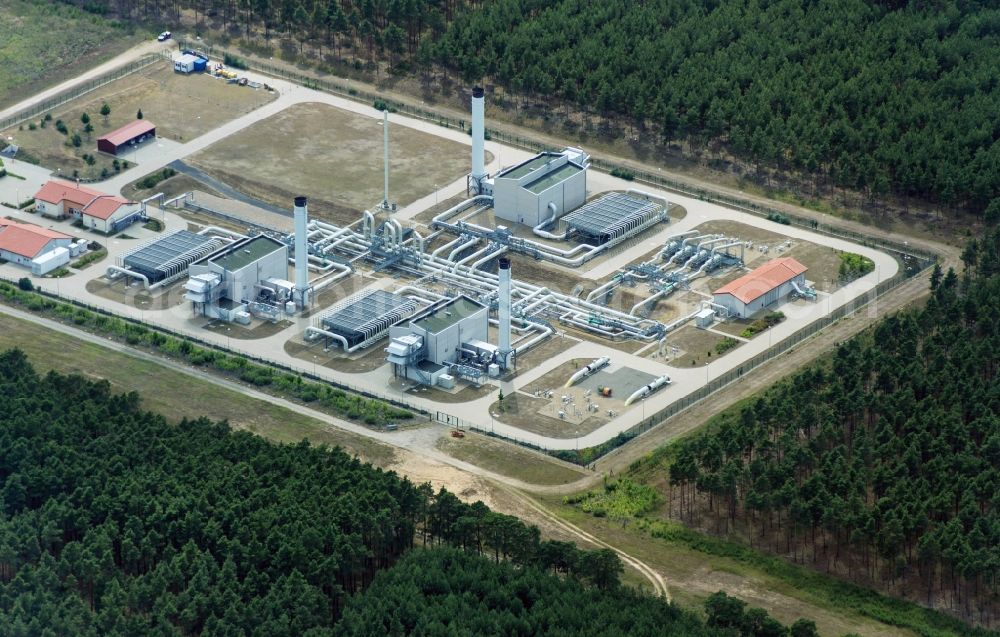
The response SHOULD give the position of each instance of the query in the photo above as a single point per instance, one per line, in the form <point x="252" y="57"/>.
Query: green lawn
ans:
<point x="46" y="42"/>
<point x="177" y="395"/>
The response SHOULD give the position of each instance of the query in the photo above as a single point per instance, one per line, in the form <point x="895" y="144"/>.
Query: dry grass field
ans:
<point x="182" y="107"/>
<point x="333" y="156"/>
<point x="823" y="262"/>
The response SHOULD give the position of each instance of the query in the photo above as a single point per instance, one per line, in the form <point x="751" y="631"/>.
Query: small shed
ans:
<point x="705" y="318"/>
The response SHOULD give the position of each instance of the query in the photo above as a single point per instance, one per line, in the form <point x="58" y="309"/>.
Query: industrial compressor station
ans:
<point x="459" y="300"/>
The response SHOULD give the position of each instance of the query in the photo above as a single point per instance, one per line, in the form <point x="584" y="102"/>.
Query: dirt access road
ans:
<point x="416" y="457"/>
<point x="134" y="53"/>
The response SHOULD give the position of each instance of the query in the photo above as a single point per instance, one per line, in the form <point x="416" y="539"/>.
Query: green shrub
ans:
<point x="89" y="258"/>
<point x="231" y="60"/>
<point x="621" y="499"/>
<point x="853" y="266"/>
<point x="370" y="411"/>
<point x="725" y="345"/>
<point x="152" y="179"/>
<point x="777" y="217"/>
<point x="623" y="173"/>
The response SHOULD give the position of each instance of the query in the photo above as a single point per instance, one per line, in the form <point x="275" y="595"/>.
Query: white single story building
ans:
<point x="109" y="213"/>
<point x="59" y="199"/>
<point x="758" y="289"/>
<point x="33" y="247"/>
<point x="95" y="209"/>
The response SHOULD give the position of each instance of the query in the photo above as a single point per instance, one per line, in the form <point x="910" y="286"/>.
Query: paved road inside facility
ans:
<point x="225" y="189"/>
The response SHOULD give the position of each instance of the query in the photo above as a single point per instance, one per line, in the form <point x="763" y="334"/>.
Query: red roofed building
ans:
<point x="109" y="213"/>
<point x="132" y="133"/>
<point x="97" y="211"/>
<point x="755" y="290"/>
<point x="22" y="243"/>
<point x="60" y="199"/>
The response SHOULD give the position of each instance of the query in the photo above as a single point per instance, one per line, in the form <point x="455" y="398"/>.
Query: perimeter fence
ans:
<point x="913" y="260"/>
<point x="47" y="105"/>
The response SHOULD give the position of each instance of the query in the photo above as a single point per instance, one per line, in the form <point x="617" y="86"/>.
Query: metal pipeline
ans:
<point x="315" y="331"/>
<point x="540" y="228"/>
<point x="232" y="236"/>
<point x="594" y="366"/>
<point x="454" y="253"/>
<point x="614" y="282"/>
<point x="441" y="249"/>
<point x="649" y="300"/>
<point x="521" y="348"/>
<point x="135" y="275"/>
<point x="646" y="390"/>
<point x="488" y="257"/>
<point x="369" y="224"/>
<point x="454" y="210"/>
<point x="469" y="257"/>
<point x="343" y="272"/>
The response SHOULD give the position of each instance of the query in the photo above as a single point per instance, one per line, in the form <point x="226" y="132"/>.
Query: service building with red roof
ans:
<point x="759" y="288"/>
<point x="29" y="245"/>
<point x="127" y="136"/>
<point x="97" y="211"/>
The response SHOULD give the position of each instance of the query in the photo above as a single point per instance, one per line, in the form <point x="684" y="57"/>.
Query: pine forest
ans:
<point x="881" y="464"/>
<point x="115" y="522"/>
<point x="883" y="97"/>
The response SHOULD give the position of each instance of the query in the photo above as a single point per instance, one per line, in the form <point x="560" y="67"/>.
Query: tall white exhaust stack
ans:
<point x="478" y="140"/>
<point x="301" y="253"/>
<point x="385" y="158"/>
<point x="504" y="311"/>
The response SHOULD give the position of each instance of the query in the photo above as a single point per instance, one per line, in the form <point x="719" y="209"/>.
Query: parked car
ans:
<point x="163" y="36"/>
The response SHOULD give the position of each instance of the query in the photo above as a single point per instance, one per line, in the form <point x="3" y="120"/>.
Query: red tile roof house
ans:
<point x="22" y="243"/>
<point x="96" y="210"/>
<point x="60" y="199"/>
<point x="754" y="291"/>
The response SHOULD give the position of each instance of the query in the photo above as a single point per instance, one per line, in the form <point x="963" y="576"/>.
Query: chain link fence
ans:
<point x="309" y="373"/>
<point x="47" y="105"/>
<point x="922" y="259"/>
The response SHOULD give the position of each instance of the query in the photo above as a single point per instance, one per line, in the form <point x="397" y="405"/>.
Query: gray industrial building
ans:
<point x="542" y="188"/>
<point x="431" y="346"/>
<point x="228" y="282"/>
